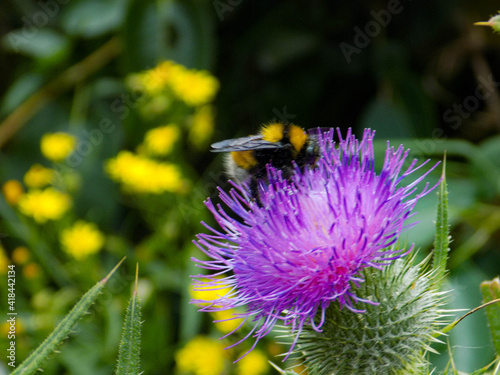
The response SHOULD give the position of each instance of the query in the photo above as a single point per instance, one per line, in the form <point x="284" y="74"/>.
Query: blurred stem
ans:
<point x="78" y="112"/>
<point x="68" y="79"/>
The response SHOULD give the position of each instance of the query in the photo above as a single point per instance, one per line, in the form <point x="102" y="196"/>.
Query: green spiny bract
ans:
<point x="390" y="337"/>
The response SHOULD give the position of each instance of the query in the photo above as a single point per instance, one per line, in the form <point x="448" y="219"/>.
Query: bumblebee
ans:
<point x="277" y="144"/>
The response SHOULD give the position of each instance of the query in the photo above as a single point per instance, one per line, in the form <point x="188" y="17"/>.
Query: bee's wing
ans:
<point x="253" y="142"/>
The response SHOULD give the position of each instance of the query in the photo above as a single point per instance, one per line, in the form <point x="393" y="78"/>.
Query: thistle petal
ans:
<point x="305" y="244"/>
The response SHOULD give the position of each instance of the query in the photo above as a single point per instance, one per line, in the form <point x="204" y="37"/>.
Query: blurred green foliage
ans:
<point x="420" y="74"/>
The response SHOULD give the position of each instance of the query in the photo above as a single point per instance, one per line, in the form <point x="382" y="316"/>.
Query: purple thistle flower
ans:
<point x="306" y="243"/>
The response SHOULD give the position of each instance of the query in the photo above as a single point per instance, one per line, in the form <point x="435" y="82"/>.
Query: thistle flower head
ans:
<point x="305" y="243"/>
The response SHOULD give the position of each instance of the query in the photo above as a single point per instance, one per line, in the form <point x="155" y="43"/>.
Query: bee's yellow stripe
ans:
<point x="273" y="132"/>
<point x="297" y="136"/>
<point x="244" y="159"/>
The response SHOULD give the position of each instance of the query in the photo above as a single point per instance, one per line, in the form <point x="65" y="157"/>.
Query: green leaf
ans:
<point x="190" y="325"/>
<point x="486" y="228"/>
<point x="442" y="240"/>
<point x="491" y="291"/>
<point x="387" y="119"/>
<point x="63" y="329"/>
<point x="93" y="18"/>
<point x="20" y="90"/>
<point x="130" y="345"/>
<point x="19" y="227"/>
<point x="46" y="44"/>
<point x="178" y="31"/>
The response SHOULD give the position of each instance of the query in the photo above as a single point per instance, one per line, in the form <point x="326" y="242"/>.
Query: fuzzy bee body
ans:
<point x="277" y="144"/>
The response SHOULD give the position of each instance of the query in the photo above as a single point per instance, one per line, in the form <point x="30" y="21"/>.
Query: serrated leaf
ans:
<point x="130" y="346"/>
<point x="491" y="291"/>
<point x="442" y="240"/>
<point x="63" y="329"/>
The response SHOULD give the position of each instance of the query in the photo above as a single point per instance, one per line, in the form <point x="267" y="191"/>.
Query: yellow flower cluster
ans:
<point x="201" y="356"/>
<point x="221" y="316"/>
<point x="82" y="239"/>
<point x="254" y="363"/>
<point x="12" y="191"/>
<point x="43" y="205"/>
<point x="160" y="141"/>
<point x="194" y="87"/>
<point x="57" y="146"/>
<point x="31" y="271"/>
<point x="157" y="79"/>
<point x="139" y="174"/>
<point x="38" y="176"/>
<point x="21" y="255"/>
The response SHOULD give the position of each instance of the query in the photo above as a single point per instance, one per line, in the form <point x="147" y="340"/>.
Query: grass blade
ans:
<point x="63" y="329"/>
<point x="491" y="292"/>
<point x="442" y="240"/>
<point x="130" y="346"/>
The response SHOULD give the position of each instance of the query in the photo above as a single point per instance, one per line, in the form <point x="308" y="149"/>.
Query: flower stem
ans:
<point x="69" y="78"/>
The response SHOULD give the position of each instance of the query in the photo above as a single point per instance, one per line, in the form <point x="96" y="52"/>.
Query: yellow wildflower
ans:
<point x="139" y="174"/>
<point x="194" y="87"/>
<point x="224" y="325"/>
<point x="43" y="205"/>
<point x="82" y="239"/>
<point x="38" y="176"/>
<point x="224" y="320"/>
<point x="12" y="191"/>
<point x="202" y="127"/>
<point x="21" y="255"/>
<point x="57" y="146"/>
<point x="201" y="356"/>
<point x="254" y="363"/>
<point x="160" y="141"/>
<point x="31" y="271"/>
<point x="160" y="77"/>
